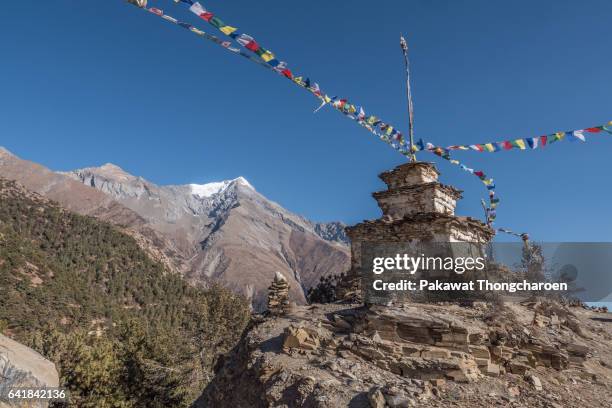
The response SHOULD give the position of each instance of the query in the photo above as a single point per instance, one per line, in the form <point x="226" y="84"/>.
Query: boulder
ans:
<point x="300" y="338"/>
<point x="23" y="367"/>
<point x="376" y="398"/>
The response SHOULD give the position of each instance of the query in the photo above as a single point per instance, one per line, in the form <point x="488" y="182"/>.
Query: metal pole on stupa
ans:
<point x="404" y="46"/>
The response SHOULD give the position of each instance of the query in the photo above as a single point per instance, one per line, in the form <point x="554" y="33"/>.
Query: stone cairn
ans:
<point x="278" y="295"/>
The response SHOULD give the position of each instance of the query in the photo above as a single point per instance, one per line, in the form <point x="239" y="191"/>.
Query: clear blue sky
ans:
<point x="89" y="82"/>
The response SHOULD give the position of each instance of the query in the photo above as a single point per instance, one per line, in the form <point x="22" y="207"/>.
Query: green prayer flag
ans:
<point x="217" y="22"/>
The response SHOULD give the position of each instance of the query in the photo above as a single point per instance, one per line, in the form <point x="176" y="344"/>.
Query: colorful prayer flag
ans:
<point x="227" y="30"/>
<point x="557" y="136"/>
<point x="533" y="142"/>
<point x="361" y="115"/>
<point x="596" y="129"/>
<point x="520" y="143"/>
<point x="267" y="56"/>
<point x="579" y="134"/>
<point x="201" y="12"/>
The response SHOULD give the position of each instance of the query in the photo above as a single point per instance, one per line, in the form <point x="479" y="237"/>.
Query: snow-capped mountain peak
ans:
<point x="216" y="187"/>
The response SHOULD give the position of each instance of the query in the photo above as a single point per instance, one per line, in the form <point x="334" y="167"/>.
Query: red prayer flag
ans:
<point x="288" y="74"/>
<point x="507" y="145"/>
<point x="593" y="130"/>
<point x="207" y="15"/>
<point x="543" y="140"/>
<point x="253" y="46"/>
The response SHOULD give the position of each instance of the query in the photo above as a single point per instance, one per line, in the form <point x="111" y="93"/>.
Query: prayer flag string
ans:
<point x="382" y="130"/>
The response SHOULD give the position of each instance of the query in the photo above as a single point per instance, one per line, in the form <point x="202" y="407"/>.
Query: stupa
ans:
<point x="416" y="207"/>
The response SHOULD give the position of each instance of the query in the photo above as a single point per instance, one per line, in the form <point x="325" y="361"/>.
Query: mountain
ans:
<point x="223" y="231"/>
<point x="228" y="231"/>
<point x="87" y="297"/>
<point x="74" y="196"/>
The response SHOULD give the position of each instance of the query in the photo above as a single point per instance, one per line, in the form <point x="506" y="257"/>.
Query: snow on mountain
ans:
<point x="209" y="189"/>
<point x="227" y="231"/>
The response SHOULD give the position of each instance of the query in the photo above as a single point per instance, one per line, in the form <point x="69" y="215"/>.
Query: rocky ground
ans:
<point x="536" y="354"/>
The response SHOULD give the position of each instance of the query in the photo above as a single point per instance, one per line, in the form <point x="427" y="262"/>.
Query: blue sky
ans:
<point x="84" y="83"/>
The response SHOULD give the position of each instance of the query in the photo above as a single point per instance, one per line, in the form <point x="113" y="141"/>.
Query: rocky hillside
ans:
<point x="536" y="354"/>
<point x="87" y="297"/>
<point x="76" y="197"/>
<point x="224" y="231"/>
<point x="229" y="232"/>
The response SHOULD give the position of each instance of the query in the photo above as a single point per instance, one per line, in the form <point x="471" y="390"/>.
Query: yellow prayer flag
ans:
<point x="267" y="56"/>
<point x="327" y="99"/>
<point x="520" y="143"/>
<point x="489" y="147"/>
<point x="227" y="30"/>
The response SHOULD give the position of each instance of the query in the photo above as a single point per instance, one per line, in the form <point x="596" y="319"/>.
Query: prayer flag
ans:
<point x="249" y="43"/>
<point x="489" y="147"/>
<point x="520" y="143"/>
<point x="533" y="142"/>
<point x="557" y="136"/>
<point x="171" y="19"/>
<point x="477" y="147"/>
<point x="287" y="73"/>
<point x="200" y="11"/>
<point x="267" y="56"/>
<point x="507" y="145"/>
<point x="543" y="140"/>
<point x="361" y="114"/>
<point x="579" y="134"/>
<point x="594" y="129"/>
<point x="227" y="30"/>
<point x="315" y="89"/>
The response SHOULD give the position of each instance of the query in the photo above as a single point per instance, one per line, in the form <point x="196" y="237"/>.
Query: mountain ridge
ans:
<point x="225" y="223"/>
<point x="224" y="231"/>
